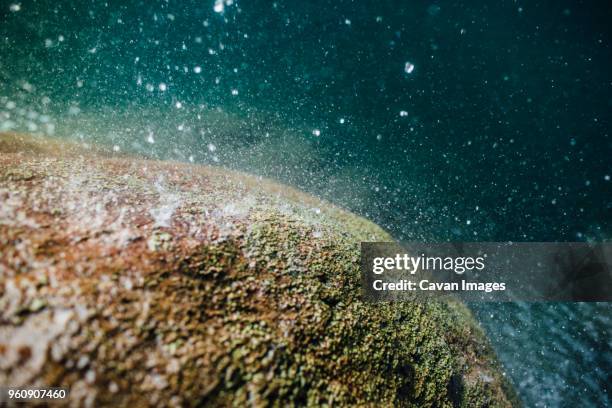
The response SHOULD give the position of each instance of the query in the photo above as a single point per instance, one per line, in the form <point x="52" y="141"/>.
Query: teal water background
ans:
<point x="467" y="121"/>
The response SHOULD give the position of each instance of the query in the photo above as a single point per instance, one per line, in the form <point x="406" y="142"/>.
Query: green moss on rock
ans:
<point x="143" y="282"/>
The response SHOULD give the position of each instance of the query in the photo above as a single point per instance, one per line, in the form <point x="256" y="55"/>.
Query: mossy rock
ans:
<point x="139" y="282"/>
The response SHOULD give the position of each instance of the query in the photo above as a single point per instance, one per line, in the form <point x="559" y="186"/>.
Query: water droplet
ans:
<point x="219" y="6"/>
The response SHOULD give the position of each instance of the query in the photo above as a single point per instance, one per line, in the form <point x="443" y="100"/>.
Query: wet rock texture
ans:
<point x="136" y="282"/>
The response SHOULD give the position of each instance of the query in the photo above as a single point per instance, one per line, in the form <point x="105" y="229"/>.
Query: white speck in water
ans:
<point x="113" y="387"/>
<point x="150" y="138"/>
<point x="127" y="284"/>
<point x="408" y="67"/>
<point x="168" y="203"/>
<point x="116" y="148"/>
<point x="219" y="6"/>
<point x="79" y="83"/>
<point x="403" y="113"/>
<point x="342" y="121"/>
<point x="211" y="147"/>
<point x="468" y="222"/>
<point x="191" y="159"/>
<point x="60" y="38"/>
<point x="316" y="132"/>
<point x="607" y="177"/>
<point x="317" y="210"/>
<point x="197" y="69"/>
<point x="48" y="42"/>
<point x="158" y="381"/>
<point x="90" y="376"/>
<point x="234" y="92"/>
<point x="347" y="22"/>
<point x="379" y="137"/>
<point x="181" y="127"/>
<point x="150" y="87"/>
<point x="178" y="105"/>
<point x="15" y="7"/>
<point x="163" y="87"/>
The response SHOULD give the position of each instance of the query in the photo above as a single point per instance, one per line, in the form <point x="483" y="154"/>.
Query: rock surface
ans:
<point x="133" y="281"/>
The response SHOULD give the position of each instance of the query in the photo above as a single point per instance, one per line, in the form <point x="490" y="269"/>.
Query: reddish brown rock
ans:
<point x="133" y="281"/>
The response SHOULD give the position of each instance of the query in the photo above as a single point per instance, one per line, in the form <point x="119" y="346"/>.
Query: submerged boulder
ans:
<point x="133" y="281"/>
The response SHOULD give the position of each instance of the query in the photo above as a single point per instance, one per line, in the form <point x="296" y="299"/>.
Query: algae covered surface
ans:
<point x="140" y="282"/>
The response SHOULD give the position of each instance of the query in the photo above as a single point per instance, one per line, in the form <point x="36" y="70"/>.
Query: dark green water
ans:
<point x="472" y="121"/>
